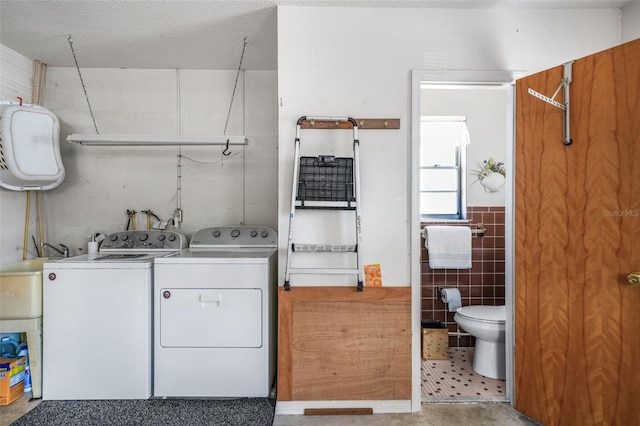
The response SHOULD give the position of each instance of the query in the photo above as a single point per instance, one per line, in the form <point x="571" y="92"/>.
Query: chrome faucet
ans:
<point x="64" y="252"/>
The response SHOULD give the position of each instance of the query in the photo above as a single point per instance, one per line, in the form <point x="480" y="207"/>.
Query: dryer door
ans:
<point x="210" y="318"/>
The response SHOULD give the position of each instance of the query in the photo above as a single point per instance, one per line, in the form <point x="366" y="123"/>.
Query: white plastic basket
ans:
<point x="29" y="148"/>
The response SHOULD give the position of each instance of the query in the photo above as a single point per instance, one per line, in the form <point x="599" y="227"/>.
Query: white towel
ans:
<point x="449" y="247"/>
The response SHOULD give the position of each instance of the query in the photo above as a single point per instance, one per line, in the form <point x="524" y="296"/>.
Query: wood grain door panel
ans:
<point x="577" y="237"/>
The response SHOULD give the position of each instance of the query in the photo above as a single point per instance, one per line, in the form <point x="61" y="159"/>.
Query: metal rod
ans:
<point x="244" y="150"/>
<point x="73" y="52"/>
<point x="41" y="80"/>
<point x="233" y="93"/>
<point x="26" y="225"/>
<point x="567" y="116"/>
<point x="39" y="221"/>
<point x="177" y="213"/>
<point x="565" y="84"/>
<point x="34" y="82"/>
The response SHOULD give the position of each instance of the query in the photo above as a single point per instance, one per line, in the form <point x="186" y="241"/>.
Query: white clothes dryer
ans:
<point x="98" y="318"/>
<point x="214" y="315"/>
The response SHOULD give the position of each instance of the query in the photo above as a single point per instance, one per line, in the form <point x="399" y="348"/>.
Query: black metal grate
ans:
<point x="325" y="178"/>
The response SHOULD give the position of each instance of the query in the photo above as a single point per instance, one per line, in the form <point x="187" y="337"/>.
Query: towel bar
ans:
<point x="479" y="230"/>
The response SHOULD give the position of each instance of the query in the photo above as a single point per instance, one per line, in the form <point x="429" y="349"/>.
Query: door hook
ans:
<point x="226" y="151"/>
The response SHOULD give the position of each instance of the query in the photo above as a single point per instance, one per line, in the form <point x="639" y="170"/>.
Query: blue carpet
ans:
<point x="231" y="412"/>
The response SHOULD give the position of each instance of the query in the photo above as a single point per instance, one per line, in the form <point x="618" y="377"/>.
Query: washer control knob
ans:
<point x="216" y="233"/>
<point x="143" y="237"/>
<point x="254" y="233"/>
<point x="166" y="294"/>
<point x="264" y="234"/>
<point x="172" y="237"/>
<point x="161" y="237"/>
<point x="235" y="233"/>
<point x="52" y="276"/>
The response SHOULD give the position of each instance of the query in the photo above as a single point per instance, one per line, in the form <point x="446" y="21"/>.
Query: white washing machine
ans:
<point x="215" y="315"/>
<point x="98" y="318"/>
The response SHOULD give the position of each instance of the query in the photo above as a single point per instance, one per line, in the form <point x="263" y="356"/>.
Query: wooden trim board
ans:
<point x="363" y="124"/>
<point x="338" y="411"/>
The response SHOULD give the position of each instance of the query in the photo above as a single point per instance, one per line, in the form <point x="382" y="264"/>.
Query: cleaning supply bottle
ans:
<point x="23" y="352"/>
<point x="92" y="245"/>
<point x="8" y="347"/>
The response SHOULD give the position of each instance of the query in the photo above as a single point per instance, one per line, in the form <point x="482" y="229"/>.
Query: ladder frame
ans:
<point x="294" y="192"/>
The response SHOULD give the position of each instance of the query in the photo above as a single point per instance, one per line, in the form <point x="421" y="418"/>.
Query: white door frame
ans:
<point x="466" y="78"/>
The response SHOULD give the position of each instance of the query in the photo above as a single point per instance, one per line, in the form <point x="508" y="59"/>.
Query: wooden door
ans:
<point x="577" y="319"/>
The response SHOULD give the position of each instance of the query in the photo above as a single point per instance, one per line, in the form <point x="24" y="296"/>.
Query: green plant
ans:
<point x="490" y="166"/>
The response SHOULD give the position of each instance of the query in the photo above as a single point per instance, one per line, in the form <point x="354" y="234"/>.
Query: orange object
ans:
<point x="11" y="379"/>
<point x="372" y="275"/>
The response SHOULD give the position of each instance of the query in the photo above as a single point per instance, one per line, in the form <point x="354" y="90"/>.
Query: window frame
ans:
<point x="460" y="165"/>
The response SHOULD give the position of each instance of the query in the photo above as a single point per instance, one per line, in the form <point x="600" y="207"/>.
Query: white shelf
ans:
<point x="154" y="140"/>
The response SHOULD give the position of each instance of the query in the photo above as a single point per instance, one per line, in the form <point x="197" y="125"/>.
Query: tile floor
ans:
<point x="454" y="380"/>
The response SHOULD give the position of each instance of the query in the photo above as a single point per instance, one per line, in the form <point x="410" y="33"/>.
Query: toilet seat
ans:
<point x="486" y="314"/>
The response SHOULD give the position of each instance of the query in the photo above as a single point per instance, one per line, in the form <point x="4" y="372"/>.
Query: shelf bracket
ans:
<point x="564" y="84"/>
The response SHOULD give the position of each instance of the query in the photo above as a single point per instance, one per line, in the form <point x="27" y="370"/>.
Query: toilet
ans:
<point x="486" y="324"/>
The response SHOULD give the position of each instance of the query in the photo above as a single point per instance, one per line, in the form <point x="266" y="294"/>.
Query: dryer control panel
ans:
<point x="234" y="237"/>
<point x="147" y="241"/>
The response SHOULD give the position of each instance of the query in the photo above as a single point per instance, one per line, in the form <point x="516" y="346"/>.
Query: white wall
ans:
<point x="631" y="21"/>
<point x="15" y="80"/>
<point x="357" y="62"/>
<point x="102" y="182"/>
<point x="486" y="112"/>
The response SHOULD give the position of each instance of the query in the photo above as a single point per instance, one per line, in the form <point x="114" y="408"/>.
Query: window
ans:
<point x="443" y="143"/>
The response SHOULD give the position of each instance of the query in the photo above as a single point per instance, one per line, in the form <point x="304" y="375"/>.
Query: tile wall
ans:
<point x="483" y="284"/>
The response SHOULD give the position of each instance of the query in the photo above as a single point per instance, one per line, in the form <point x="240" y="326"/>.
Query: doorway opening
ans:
<point x="486" y="100"/>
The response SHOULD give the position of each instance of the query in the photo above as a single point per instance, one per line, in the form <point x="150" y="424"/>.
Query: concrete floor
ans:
<point x="12" y="412"/>
<point x="455" y="414"/>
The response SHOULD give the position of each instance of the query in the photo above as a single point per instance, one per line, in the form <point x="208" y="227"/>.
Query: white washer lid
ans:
<point x="483" y="313"/>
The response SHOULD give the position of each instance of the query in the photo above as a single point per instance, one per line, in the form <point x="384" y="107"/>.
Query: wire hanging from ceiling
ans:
<point x="226" y="151"/>
<point x="73" y="52"/>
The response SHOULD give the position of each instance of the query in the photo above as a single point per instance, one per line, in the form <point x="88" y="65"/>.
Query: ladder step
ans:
<point x="334" y="271"/>
<point x="324" y="248"/>
<point x="327" y="205"/>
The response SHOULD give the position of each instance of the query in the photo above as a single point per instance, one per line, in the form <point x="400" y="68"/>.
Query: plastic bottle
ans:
<point x="8" y="347"/>
<point x="23" y="351"/>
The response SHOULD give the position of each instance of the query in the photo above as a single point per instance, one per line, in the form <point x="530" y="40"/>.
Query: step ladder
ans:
<point x="325" y="182"/>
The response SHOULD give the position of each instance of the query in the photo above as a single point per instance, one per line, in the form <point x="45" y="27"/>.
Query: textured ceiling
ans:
<point x="187" y="34"/>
